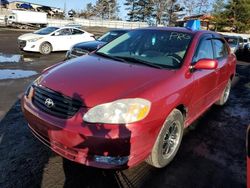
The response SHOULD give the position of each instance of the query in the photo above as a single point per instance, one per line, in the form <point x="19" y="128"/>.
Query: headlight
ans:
<point x="35" y="39"/>
<point x="119" y="112"/>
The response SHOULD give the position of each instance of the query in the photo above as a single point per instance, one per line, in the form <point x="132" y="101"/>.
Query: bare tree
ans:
<point x="107" y="9"/>
<point x="88" y="12"/>
<point x="196" y="6"/>
<point x="160" y="12"/>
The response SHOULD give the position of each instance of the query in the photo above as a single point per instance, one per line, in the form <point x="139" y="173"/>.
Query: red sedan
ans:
<point x="130" y="100"/>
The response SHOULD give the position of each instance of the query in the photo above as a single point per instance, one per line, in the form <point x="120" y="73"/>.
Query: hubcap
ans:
<point x="46" y="48"/>
<point x="171" y="139"/>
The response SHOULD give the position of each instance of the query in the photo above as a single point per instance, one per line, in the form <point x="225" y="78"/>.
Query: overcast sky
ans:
<point x="74" y="4"/>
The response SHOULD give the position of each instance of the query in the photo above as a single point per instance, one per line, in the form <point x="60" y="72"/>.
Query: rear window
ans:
<point x="231" y="41"/>
<point x="77" y="32"/>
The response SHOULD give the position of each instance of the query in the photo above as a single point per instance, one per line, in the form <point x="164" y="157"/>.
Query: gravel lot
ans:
<point x="212" y="153"/>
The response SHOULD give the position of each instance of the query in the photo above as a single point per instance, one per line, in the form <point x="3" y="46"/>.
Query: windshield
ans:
<point x="157" y="47"/>
<point x="109" y="36"/>
<point x="231" y="41"/>
<point x="46" y="30"/>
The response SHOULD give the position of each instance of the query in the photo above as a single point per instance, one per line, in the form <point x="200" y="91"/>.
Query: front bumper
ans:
<point x="97" y="145"/>
<point x="28" y="46"/>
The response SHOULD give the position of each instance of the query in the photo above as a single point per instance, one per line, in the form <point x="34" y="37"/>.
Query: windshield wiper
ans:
<point x="110" y="57"/>
<point x="139" y="61"/>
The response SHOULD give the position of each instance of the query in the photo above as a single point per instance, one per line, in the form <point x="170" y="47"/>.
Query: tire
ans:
<point x="225" y="94"/>
<point x="45" y="48"/>
<point x="172" y="131"/>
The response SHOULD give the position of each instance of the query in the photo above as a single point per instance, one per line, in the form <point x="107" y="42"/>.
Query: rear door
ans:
<point x="205" y="80"/>
<point x="77" y="36"/>
<point x="80" y="36"/>
<point x="221" y="53"/>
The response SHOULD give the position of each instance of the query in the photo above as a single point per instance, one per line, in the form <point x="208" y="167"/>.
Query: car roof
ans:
<point x="230" y="36"/>
<point x="69" y="27"/>
<point x="178" y="29"/>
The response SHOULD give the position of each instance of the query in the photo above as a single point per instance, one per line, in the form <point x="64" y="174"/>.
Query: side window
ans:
<point x="220" y="49"/>
<point x="204" y="50"/>
<point x="241" y="41"/>
<point x="77" y="32"/>
<point x="63" y="32"/>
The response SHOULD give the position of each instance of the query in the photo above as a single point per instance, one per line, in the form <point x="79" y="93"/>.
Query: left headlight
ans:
<point x="119" y="112"/>
<point x="35" y="39"/>
<point x="33" y="84"/>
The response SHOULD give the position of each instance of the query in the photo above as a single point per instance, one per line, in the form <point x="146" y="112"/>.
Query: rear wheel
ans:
<point x="225" y="94"/>
<point x="45" y="48"/>
<point x="168" y="140"/>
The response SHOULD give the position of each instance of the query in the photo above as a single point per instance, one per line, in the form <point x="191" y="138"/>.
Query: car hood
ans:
<point x="29" y="36"/>
<point x="95" y="80"/>
<point x="89" y="46"/>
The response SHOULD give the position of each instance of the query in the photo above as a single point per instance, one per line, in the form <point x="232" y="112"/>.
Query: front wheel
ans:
<point x="45" y="48"/>
<point x="168" y="140"/>
<point x="225" y="94"/>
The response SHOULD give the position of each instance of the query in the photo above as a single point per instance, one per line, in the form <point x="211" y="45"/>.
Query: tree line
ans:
<point x="103" y="9"/>
<point x="234" y="14"/>
<point x="152" y="11"/>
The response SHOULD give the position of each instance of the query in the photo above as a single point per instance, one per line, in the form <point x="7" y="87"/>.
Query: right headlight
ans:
<point x="119" y="112"/>
<point x="35" y="39"/>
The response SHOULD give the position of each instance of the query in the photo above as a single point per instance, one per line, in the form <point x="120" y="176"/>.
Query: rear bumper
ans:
<point x="96" y="145"/>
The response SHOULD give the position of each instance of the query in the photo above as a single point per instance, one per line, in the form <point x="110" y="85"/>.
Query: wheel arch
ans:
<point x="232" y="76"/>
<point x="183" y="109"/>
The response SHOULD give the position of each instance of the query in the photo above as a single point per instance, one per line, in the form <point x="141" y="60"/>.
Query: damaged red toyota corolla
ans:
<point x="130" y="100"/>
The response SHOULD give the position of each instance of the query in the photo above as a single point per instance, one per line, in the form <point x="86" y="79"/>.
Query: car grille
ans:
<point x="78" y="52"/>
<point x="21" y="43"/>
<point x="63" y="106"/>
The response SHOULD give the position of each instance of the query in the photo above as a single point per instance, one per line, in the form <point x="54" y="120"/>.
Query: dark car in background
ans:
<point x="86" y="47"/>
<point x="236" y="44"/>
<point x="247" y="46"/>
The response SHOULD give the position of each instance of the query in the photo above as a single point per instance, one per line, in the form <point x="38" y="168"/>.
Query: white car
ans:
<point x="51" y="39"/>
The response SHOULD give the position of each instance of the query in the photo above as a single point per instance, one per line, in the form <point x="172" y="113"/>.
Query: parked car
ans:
<point x="86" y="47"/>
<point x="236" y="44"/>
<point x="246" y="46"/>
<point x="51" y="39"/>
<point x="130" y="100"/>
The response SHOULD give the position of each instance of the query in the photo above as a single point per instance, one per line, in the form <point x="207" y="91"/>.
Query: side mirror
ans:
<point x="208" y="64"/>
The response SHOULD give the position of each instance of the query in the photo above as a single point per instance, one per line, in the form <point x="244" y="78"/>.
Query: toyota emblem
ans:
<point x="49" y="103"/>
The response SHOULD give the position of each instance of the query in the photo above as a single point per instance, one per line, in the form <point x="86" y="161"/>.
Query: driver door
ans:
<point x="61" y="39"/>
